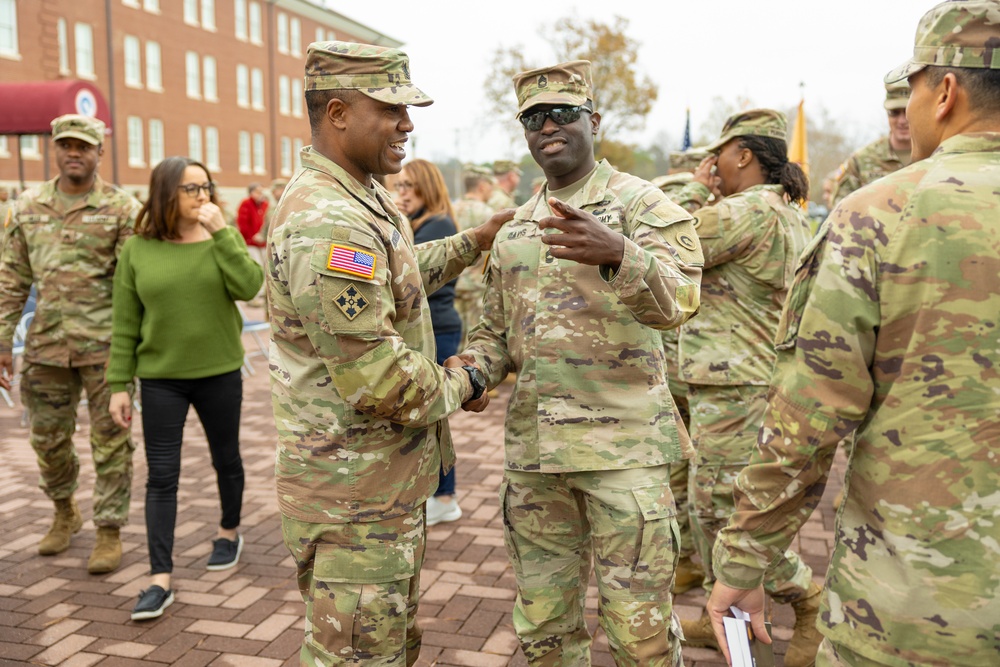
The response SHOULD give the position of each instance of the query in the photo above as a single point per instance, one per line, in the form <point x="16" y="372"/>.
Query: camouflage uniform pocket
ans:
<point x="360" y="601"/>
<point x="508" y="531"/>
<point x="350" y="300"/>
<point x="658" y="540"/>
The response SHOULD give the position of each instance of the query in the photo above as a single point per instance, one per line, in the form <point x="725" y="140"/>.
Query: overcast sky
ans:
<point x="695" y="50"/>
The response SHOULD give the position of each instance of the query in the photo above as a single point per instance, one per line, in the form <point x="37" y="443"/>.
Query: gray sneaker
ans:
<point x="225" y="553"/>
<point x="152" y="602"/>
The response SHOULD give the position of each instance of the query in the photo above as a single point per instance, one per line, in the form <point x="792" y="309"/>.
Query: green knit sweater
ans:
<point x="175" y="315"/>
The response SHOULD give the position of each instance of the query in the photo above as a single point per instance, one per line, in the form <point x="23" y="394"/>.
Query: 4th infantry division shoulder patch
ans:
<point x="349" y="260"/>
<point x="351" y="302"/>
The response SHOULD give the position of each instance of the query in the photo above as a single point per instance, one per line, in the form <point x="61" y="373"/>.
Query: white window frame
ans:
<point x="243" y="86"/>
<point x="156" y="147"/>
<point x="154" y="67"/>
<point x="30" y="147"/>
<point x="195" y="151"/>
<point x="286" y="156"/>
<point x="212" y="149"/>
<point x="131" y="3"/>
<point x="284" y="93"/>
<point x="296" y="95"/>
<point x="4" y="150"/>
<point x="8" y="19"/>
<point x="192" y="75"/>
<point x="83" y="43"/>
<point x="240" y="19"/>
<point x="63" y="36"/>
<point x="256" y="27"/>
<point x="136" y="157"/>
<point x="244" y="153"/>
<point x="208" y="15"/>
<point x="191" y="12"/>
<point x="297" y="153"/>
<point x="282" y="30"/>
<point x="210" y="78"/>
<point x="257" y="89"/>
<point x="259" y="153"/>
<point x="132" y="51"/>
<point x="295" y="36"/>
<point x="151" y="6"/>
<point x="320" y="34"/>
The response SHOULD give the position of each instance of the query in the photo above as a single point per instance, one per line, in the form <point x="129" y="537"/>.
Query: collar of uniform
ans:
<point x="594" y="191"/>
<point x="47" y="193"/>
<point x="972" y="142"/>
<point x="380" y="204"/>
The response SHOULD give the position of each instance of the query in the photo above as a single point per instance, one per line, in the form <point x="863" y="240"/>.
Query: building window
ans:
<point x="8" y="28"/>
<point x="135" y="142"/>
<point x="4" y="151"/>
<point x="286" y="156"/>
<point x="151" y="6"/>
<point x="297" y="98"/>
<point x="194" y="142"/>
<point x="240" y="10"/>
<point x="208" y="15"/>
<point x="209" y="79"/>
<point x="255" y="29"/>
<point x="295" y="37"/>
<point x="212" y="148"/>
<point x="283" y="94"/>
<point x="244" y="167"/>
<point x="258" y="154"/>
<point x="331" y="36"/>
<point x="282" y="32"/>
<point x="193" y="76"/>
<point x="154" y="78"/>
<point x="155" y="142"/>
<point x="84" y="35"/>
<point x="191" y="12"/>
<point x="257" y="88"/>
<point x="320" y="35"/>
<point x="131" y="3"/>
<point x="133" y="63"/>
<point x="297" y="147"/>
<point x="63" y="46"/>
<point x="29" y="147"/>
<point x="242" y="86"/>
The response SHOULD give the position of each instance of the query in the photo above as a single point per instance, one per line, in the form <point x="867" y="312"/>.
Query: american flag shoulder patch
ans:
<point x="349" y="260"/>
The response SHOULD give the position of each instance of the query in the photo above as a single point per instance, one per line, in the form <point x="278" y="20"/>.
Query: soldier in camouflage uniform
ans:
<point x="890" y="334"/>
<point x="579" y="286"/>
<point x="65" y="237"/>
<point x="470" y="211"/>
<point x="506" y="176"/>
<point x="751" y="239"/>
<point x="681" y="172"/>
<point x="359" y="404"/>
<point x="884" y="155"/>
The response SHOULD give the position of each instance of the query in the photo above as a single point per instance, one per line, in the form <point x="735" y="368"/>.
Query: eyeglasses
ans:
<point x="191" y="189"/>
<point x="559" y="115"/>
<point x="403" y="185"/>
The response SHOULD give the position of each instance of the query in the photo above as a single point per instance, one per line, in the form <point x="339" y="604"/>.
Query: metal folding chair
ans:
<point x="253" y="327"/>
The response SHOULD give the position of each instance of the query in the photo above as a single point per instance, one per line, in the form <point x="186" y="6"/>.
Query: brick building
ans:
<point x="218" y="80"/>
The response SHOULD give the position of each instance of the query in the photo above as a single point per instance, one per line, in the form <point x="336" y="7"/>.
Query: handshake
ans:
<point x="480" y="396"/>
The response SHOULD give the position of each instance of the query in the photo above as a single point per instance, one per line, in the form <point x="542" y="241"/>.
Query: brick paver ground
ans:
<point x="52" y="612"/>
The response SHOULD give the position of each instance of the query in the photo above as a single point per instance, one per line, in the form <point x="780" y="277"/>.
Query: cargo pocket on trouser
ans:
<point x="658" y="540"/>
<point x="360" y="602"/>
<point x="508" y="531"/>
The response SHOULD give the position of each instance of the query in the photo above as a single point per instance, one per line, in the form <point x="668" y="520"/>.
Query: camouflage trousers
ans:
<point x="838" y="655"/>
<point x="469" y="305"/>
<point x="361" y="585"/>
<point x="624" y="521"/>
<point x="724" y="425"/>
<point x="679" y="475"/>
<point x="51" y="394"/>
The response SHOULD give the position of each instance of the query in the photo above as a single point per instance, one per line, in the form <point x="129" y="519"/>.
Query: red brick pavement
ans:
<point x="52" y="612"/>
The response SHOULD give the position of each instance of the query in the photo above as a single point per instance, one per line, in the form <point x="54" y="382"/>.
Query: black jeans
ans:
<point x="165" y="404"/>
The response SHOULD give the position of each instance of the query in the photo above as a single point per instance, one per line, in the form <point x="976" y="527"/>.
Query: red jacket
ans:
<point x="250" y="219"/>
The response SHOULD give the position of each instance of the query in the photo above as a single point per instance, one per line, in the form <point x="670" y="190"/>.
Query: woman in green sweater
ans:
<point x="177" y="328"/>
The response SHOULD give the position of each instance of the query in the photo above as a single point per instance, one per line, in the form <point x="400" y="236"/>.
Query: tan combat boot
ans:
<point x="806" y="638"/>
<point x="107" y="553"/>
<point x="67" y="520"/>
<point x="698" y="634"/>
<point x="687" y="575"/>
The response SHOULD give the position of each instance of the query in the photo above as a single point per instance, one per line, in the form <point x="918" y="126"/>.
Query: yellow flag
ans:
<point x="798" y="150"/>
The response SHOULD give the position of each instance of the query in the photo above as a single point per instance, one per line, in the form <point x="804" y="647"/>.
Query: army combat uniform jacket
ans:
<point x="591" y="389"/>
<point x="71" y="257"/>
<point x="864" y="166"/>
<point x="751" y="242"/>
<point x="359" y="402"/>
<point x="891" y="332"/>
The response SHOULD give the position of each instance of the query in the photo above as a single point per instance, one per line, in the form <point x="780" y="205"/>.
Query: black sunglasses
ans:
<point x="559" y="115"/>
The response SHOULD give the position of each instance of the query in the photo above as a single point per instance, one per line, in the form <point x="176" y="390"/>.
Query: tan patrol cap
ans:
<point x="79" y="127"/>
<point x="752" y="123"/>
<point x="469" y="170"/>
<point x="897" y="94"/>
<point x="566" y="83"/>
<point x="501" y="167"/>
<point x="380" y="73"/>
<point x="687" y="160"/>
<point x="955" y="34"/>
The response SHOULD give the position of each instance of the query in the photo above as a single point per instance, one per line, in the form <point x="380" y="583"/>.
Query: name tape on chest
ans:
<point x="348" y="260"/>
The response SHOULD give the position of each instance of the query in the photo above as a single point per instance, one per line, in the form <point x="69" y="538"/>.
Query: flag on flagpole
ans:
<point x="798" y="150"/>
<point x="686" y="144"/>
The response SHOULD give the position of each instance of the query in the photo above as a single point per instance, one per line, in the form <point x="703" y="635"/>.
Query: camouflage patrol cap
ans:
<point x="565" y="83"/>
<point x="955" y="34"/>
<point x="896" y="95"/>
<point x="470" y="170"/>
<point x="380" y="73"/>
<point x="687" y="160"/>
<point x="80" y="127"/>
<point x="501" y="167"/>
<point x="753" y="122"/>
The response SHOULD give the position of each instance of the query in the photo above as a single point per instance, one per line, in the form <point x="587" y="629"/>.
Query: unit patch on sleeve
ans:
<point x="349" y="260"/>
<point x="351" y="302"/>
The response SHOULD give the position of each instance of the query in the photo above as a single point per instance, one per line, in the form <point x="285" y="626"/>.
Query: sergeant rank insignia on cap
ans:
<point x="351" y="302"/>
<point x="349" y="260"/>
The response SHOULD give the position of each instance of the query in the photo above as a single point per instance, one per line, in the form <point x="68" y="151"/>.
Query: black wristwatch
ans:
<point x="478" y="381"/>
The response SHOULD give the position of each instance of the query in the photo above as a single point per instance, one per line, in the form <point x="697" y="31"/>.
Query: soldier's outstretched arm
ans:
<point x="442" y="260"/>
